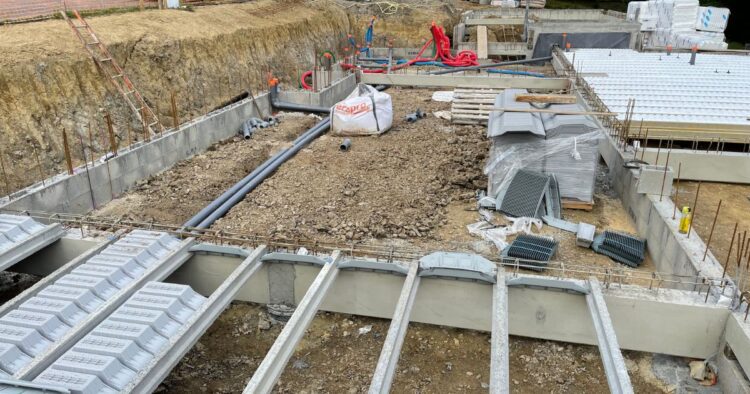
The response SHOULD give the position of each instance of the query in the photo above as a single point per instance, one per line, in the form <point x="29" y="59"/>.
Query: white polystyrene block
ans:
<point x="140" y="255"/>
<point x="185" y="293"/>
<point x="126" y="350"/>
<point x="46" y="323"/>
<point x="84" y="298"/>
<point x="77" y="383"/>
<point x="107" y="368"/>
<point x="152" y="246"/>
<point x="27" y="224"/>
<point x="12" y="359"/>
<point x="142" y="334"/>
<point x="100" y="286"/>
<point x="67" y="311"/>
<point x="114" y="275"/>
<point x="158" y="320"/>
<point x="127" y="264"/>
<point x="171" y="305"/>
<point x="29" y="340"/>
<point x="167" y="240"/>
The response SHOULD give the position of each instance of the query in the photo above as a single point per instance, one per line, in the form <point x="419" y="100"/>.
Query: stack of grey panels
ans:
<point x="40" y="321"/>
<point x="518" y="143"/>
<point x="125" y="344"/>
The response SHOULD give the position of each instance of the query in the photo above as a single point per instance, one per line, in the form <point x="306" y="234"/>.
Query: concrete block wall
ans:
<point x="87" y="189"/>
<point x="671" y="251"/>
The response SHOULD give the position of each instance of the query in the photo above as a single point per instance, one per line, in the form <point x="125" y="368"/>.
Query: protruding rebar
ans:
<point x="677" y="191"/>
<point x="695" y="206"/>
<point x="711" y="234"/>
<point x="729" y="253"/>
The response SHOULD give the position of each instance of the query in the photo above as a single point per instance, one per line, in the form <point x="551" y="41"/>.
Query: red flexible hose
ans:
<point x="303" y="78"/>
<point x="442" y="52"/>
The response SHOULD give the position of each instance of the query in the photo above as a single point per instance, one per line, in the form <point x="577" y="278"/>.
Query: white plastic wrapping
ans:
<point x="572" y="160"/>
<point x="365" y="112"/>
<point x="499" y="235"/>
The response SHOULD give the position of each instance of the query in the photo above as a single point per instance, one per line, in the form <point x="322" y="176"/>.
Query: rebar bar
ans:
<point x="695" y="206"/>
<point x="711" y="234"/>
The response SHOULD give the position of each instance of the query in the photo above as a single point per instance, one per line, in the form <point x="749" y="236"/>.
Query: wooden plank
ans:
<point x="578" y="205"/>
<point x="494" y="21"/>
<point x="482" y="42"/>
<point x="547" y="98"/>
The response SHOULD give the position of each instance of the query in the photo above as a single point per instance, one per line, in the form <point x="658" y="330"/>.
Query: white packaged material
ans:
<point x="713" y="19"/>
<point x="365" y="112"/>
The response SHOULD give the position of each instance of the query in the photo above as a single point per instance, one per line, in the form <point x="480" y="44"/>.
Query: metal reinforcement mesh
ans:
<point x="534" y="250"/>
<point x="623" y="248"/>
<point x="525" y="193"/>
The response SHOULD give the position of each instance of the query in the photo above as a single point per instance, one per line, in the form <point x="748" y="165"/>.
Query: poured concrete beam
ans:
<point x="614" y="364"/>
<point x="273" y="364"/>
<point x="466" y="81"/>
<point x="386" y="368"/>
<point x="499" y="361"/>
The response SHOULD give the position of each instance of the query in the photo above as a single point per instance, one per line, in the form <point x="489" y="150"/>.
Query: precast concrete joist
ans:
<point x="389" y="355"/>
<point x="614" y="364"/>
<point x="22" y="236"/>
<point x="82" y="301"/>
<point x="466" y="81"/>
<point x="273" y="364"/>
<point x="204" y="316"/>
<point x="499" y="354"/>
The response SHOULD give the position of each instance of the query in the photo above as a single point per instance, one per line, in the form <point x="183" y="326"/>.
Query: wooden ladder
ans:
<point x="114" y="73"/>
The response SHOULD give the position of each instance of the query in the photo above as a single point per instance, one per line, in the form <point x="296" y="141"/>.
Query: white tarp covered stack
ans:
<point x="680" y="23"/>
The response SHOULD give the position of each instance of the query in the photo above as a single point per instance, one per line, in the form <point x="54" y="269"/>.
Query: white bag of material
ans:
<point x="712" y="19"/>
<point x="365" y="112"/>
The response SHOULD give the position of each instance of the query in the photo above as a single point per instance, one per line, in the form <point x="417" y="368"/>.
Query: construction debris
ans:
<point x="623" y="248"/>
<point x="415" y="116"/>
<point x="585" y="234"/>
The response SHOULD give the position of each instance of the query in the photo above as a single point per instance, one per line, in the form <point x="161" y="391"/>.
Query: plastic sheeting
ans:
<point x="571" y="156"/>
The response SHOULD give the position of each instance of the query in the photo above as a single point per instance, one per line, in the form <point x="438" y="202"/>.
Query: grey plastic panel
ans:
<point x="458" y="266"/>
<point x="53" y="311"/>
<point x="124" y="344"/>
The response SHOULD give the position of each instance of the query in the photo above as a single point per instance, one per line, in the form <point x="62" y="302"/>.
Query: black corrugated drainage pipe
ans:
<point x="457" y="69"/>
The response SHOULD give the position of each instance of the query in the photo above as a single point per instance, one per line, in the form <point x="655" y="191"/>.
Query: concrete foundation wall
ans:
<point x="666" y="321"/>
<point x="327" y="97"/>
<point x="108" y="180"/>
<point x="729" y="167"/>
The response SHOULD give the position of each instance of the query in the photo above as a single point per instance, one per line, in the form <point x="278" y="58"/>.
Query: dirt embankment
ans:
<point x="48" y="82"/>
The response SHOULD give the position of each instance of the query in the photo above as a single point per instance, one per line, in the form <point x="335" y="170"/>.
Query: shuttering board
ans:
<point x="32" y="327"/>
<point x="472" y="106"/>
<point x="110" y="357"/>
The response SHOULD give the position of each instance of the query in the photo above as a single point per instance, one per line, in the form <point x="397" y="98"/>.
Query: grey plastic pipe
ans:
<point x="320" y="128"/>
<point x="510" y="63"/>
<point x="345" y="145"/>
<point x="276" y="103"/>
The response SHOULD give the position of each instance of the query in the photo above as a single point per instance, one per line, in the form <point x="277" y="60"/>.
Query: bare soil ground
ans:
<point x="339" y="352"/>
<point x="735" y="209"/>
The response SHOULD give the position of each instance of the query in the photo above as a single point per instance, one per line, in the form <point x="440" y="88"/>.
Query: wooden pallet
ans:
<point x="576" y="204"/>
<point x="472" y="106"/>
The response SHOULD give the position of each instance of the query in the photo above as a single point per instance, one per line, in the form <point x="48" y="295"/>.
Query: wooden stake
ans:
<point x="175" y="118"/>
<point x="38" y="163"/>
<point x="546" y="98"/>
<point x="91" y="144"/>
<point x="66" y="148"/>
<point x="146" y="134"/>
<point x="5" y="174"/>
<point x="111" y="130"/>
<point x="711" y="234"/>
<point x="695" y="206"/>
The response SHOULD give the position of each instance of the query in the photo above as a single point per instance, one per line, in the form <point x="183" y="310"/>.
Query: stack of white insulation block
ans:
<point x="680" y="23"/>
